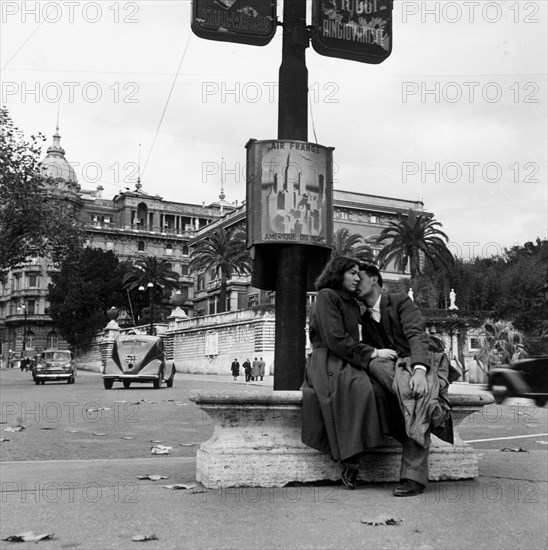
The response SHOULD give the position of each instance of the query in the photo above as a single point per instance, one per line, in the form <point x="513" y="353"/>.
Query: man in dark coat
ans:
<point x="235" y="368"/>
<point x="393" y="321"/>
<point x="247" y="370"/>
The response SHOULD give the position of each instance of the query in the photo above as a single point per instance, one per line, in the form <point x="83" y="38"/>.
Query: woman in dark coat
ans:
<point x="339" y="410"/>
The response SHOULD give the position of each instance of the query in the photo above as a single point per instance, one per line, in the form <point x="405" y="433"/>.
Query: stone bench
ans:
<point x="257" y="443"/>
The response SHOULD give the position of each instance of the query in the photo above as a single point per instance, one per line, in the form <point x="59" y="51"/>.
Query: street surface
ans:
<point x="75" y="471"/>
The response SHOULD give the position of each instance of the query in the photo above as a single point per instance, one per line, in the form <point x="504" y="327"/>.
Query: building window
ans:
<point x="110" y="245"/>
<point x="29" y="344"/>
<point x="212" y="306"/>
<point x="184" y="293"/>
<point x="201" y="282"/>
<point x="185" y="250"/>
<point x="33" y="281"/>
<point x="169" y="250"/>
<point x="31" y="307"/>
<point x="141" y="246"/>
<point x="52" y="341"/>
<point x="184" y="269"/>
<point x="252" y="300"/>
<point x="212" y="274"/>
<point x="373" y="219"/>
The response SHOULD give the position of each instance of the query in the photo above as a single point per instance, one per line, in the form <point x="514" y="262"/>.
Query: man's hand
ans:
<point x="386" y="353"/>
<point x="418" y="384"/>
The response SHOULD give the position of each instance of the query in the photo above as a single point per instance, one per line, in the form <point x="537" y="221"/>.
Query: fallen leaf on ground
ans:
<point x="29" y="536"/>
<point x="152" y="477"/>
<point x="381" y="520"/>
<point x="99" y="434"/>
<point x="128" y="437"/>
<point x="156" y="440"/>
<point x="542" y="442"/>
<point x="513" y="450"/>
<point x="141" y="538"/>
<point x="180" y="486"/>
<point x="188" y="444"/>
<point x="47" y="428"/>
<point x="4" y="439"/>
<point x="14" y="428"/>
<point x="160" y="450"/>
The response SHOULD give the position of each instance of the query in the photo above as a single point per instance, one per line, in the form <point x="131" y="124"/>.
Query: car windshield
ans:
<point x="56" y="356"/>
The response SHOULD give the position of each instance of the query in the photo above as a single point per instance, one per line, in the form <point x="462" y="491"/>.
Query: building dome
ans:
<point x="56" y="166"/>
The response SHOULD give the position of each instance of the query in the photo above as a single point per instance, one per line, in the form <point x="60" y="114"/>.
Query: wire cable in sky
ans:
<point x="167" y="103"/>
<point x="22" y="45"/>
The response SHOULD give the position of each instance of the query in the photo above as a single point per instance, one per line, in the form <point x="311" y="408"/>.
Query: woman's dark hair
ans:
<point x="333" y="273"/>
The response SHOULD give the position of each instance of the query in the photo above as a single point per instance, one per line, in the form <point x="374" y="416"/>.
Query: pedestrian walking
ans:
<point x="262" y="366"/>
<point x="235" y="368"/>
<point x="247" y="370"/>
<point x="255" y="369"/>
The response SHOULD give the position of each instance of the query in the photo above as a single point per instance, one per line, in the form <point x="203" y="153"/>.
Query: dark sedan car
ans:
<point x="138" y="358"/>
<point x="523" y="378"/>
<point x="54" y="364"/>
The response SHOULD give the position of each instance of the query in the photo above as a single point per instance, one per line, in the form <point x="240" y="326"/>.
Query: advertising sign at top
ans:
<point x="244" y="21"/>
<point x="359" y="30"/>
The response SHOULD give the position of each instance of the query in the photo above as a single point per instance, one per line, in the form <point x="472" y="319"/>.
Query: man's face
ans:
<point x="365" y="286"/>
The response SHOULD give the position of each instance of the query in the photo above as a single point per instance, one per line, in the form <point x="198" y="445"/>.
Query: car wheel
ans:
<point x="158" y="382"/>
<point x="70" y="380"/>
<point x="499" y="389"/>
<point x="127" y="383"/>
<point x="169" y="382"/>
<point x="107" y="382"/>
<point x="37" y="382"/>
<point x="541" y="401"/>
<point x="42" y="382"/>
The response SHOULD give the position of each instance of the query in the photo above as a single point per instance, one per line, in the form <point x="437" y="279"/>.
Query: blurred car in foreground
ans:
<point x="138" y="358"/>
<point x="523" y="378"/>
<point x="54" y="364"/>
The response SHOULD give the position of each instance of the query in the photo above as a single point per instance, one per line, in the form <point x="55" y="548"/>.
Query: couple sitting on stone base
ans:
<point x="389" y="383"/>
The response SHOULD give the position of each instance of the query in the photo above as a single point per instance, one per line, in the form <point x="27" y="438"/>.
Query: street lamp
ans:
<point x="150" y="286"/>
<point x="24" y="308"/>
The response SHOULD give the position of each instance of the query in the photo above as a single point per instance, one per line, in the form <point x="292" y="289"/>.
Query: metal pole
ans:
<point x="290" y="337"/>
<point x="151" y="302"/>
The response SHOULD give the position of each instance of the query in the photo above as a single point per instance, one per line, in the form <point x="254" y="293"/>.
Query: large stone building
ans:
<point x="136" y="224"/>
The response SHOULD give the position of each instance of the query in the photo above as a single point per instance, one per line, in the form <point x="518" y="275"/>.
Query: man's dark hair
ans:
<point x="333" y="273"/>
<point x="372" y="271"/>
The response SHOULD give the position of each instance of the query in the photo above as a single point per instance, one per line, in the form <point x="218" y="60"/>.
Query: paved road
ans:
<point x="55" y="479"/>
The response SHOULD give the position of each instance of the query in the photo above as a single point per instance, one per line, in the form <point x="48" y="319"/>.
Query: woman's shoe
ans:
<point x="349" y="477"/>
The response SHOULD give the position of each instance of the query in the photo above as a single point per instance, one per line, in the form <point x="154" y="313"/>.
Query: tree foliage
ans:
<point x="86" y="286"/>
<point x="413" y="237"/>
<point x="33" y="220"/>
<point x="143" y="273"/>
<point x="225" y="252"/>
<point x="352" y="245"/>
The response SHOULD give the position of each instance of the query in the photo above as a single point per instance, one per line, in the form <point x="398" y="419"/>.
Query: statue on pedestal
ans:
<point x="410" y="294"/>
<point x="452" y="298"/>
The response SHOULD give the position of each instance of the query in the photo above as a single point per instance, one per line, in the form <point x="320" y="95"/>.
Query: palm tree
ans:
<point x="153" y="274"/>
<point x="223" y="250"/>
<point x="498" y="342"/>
<point x="412" y="237"/>
<point x="350" y="244"/>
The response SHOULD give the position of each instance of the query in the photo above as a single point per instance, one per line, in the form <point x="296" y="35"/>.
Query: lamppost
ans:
<point x="24" y="308"/>
<point x="150" y="287"/>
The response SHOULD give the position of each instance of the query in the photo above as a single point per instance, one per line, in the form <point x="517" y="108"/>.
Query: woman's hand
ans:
<point x="386" y="353"/>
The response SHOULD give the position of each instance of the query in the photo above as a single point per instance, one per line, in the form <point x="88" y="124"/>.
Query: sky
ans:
<point x="455" y="117"/>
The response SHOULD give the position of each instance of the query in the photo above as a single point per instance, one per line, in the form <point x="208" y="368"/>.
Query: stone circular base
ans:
<point x="257" y="443"/>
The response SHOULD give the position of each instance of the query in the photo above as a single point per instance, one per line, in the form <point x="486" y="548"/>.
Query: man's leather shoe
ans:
<point x="349" y="476"/>
<point x="408" y="488"/>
